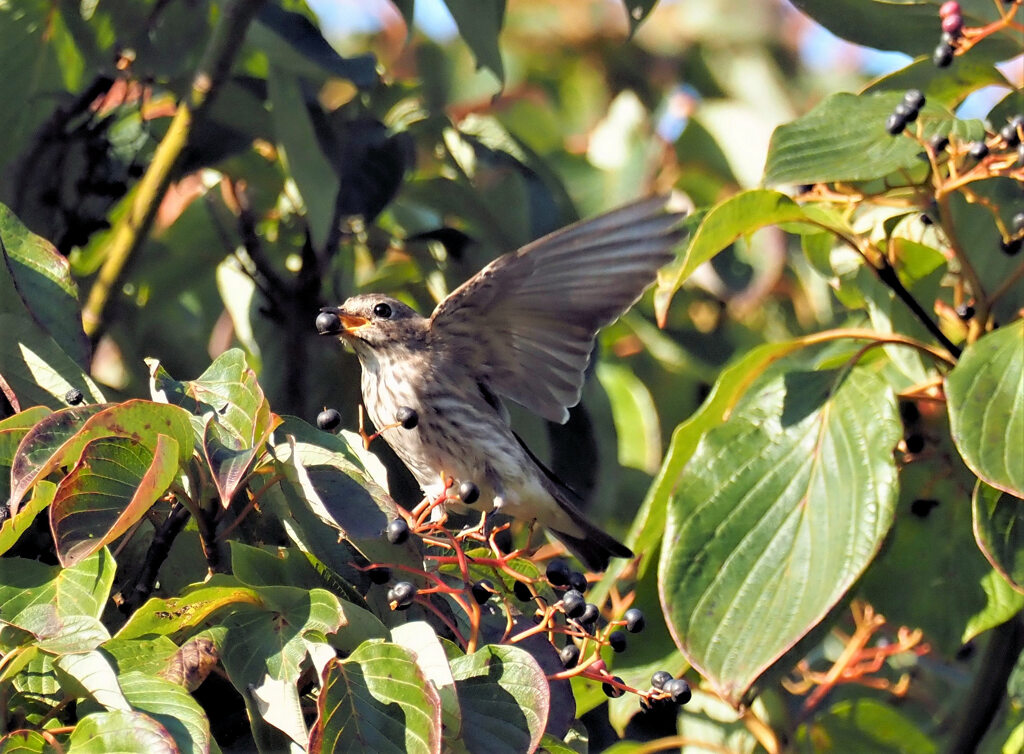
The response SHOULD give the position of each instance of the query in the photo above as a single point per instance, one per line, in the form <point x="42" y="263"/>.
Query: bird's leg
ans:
<point x="480" y="528"/>
<point x="428" y="505"/>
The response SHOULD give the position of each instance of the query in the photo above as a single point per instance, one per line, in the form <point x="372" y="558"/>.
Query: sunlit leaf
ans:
<point x="80" y="590"/>
<point x="781" y="510"/>
<point x="355" y="711"/>
<point x="115" y="482"/>
<point x="171" y="706"/>
<point x="126" y="732"/>
<point x="986" y="407"/>
<point x="504" y="698"/>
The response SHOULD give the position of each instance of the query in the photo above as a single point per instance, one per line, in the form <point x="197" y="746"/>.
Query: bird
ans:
<point x="522" y="329"/>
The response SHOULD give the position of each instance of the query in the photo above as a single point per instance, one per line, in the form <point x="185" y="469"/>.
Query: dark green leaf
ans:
<point x="171" y="706"/>
<point x="779" y="511"/>
<point x="999" y="529"/>
<point x="304" y="38"/>
<point x="35" y="281"/>
<point x="504" y="698"/>
<point x="862" y="725"/>
<point x="638" y="10"/>
<point x="480" y="23"/>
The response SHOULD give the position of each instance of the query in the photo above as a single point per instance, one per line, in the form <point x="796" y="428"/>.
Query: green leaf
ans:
<point x="171" y="706"/>
<point x="779" y="511"/>
<point x="123" y="732"/>
<point x="943" y="86"/>
<point x="911" y="27"/>
<point x="736" y="216"/>
<point x="113" y="485"/>
<point x="61" y="438"/>
<point x="649" y="526"/>
<point x="420" y="639"/>
<point x="93" y="676"/>
<point x="268" y="640"/>
<point x="356" y="710"/>
<point x="844" y="139"/>
<point x="25" y="742"/>
<point x="36" y="283"/>
<point x="1002" y="603"/>
<point x="237" y="417"/>
<point x="167" y="617"/>
<point x="986" y="407"/>
<point x="479" y="23"/>
<point x="862" y="725"/>
<point x="149" y="656"/>
<point x="36" y="368"/>
<point x="60" y="634"/>
<point x="80" y="590"/>
<point x="16" y="525"/>
<point x="316" y="179"/>
<point x="275" y="25"/>
<point x="999" y="530"/>
<point x="504" y="698"/>
<point x="636" y="417"/>
<point x="12" y="430"/>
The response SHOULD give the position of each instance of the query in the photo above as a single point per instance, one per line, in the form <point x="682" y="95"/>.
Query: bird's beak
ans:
<point x="334" y="321"/>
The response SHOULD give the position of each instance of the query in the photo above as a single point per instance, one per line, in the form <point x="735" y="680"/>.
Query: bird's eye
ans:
<point x="382" y="310"/>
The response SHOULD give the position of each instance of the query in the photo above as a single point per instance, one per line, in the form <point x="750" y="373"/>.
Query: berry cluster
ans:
<point x="577" y="629"/>
<point x="905" y="112"/>
<point x="952" y="29"/>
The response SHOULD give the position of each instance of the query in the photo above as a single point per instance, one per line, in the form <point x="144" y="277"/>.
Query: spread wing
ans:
<point x="526" y="322"/>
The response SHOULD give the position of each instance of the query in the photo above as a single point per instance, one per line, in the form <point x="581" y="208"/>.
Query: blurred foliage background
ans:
<point x="406" y="156"/>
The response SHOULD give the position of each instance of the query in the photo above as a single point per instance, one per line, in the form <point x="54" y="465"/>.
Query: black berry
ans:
<point x="943" y="55"/>
<point x="906" y="112"/>
<point x="469" y="493"/>
<point x="1020" y="156"/>
<point x="1011" y="246"/>
<point x="635" y="620"/>
<point x="578" y="582"/>
<point x="407" y="417"/>
<point x="73" y="396"/>
<point x="923" y="506"/>
<point x="617" y="641"/>
<point x="1009" y="135"/>
<point x="557" y="572"/>
<point x="925" y="218"/>
<point x="589" y="617"/>
<point x="379" y="575"/>
<point x="1017" y="222"/>
<point x="401" y="595"/>
<point x="573" y="603"/>
<point x="909" y="412"/>
<point x="915" y="443"/>
<point x="914" y="99"/>
<point x="965" y="311"/>
<point x="978" y="150"/>
<point x="328" y="419"/>
<point x="522" y="591"/>
<point x="327" y="323"/>
<point x="938" y="142"/>
<point x="679" y="690"/>
<point x="660" y="678"/>
<point x="482" y="591"/>
<point x="397" y="531"/>
<point x="569" y="656"/>
<point x="895" y="123"/>
<point x="613" y="691"/>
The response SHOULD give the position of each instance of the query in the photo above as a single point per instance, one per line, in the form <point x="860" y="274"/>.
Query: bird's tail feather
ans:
<point x="596" y="547"/>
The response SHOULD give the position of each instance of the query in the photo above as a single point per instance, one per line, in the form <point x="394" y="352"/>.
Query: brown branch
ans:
<point x="131" y="230"/>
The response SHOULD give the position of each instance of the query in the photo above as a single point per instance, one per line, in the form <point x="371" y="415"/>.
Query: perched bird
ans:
<point x="523" y="328"/>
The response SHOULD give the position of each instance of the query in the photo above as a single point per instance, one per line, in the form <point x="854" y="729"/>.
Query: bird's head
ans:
<point x="372" y="323"/>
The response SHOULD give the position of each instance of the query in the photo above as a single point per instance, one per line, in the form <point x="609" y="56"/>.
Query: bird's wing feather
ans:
<point x="541" y="306"/>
